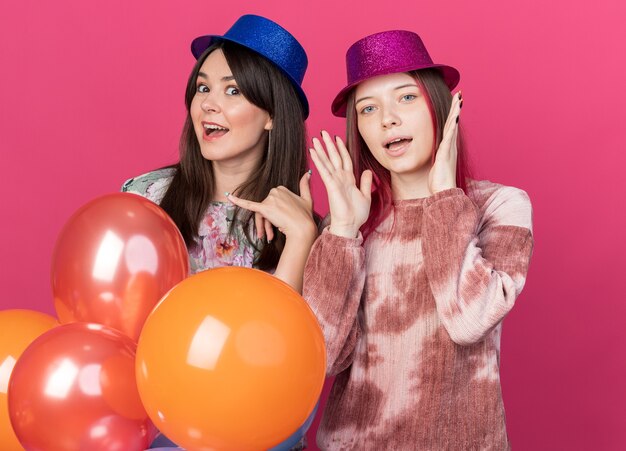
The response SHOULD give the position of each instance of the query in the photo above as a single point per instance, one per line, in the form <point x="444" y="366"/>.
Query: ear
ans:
<point x="269" y="124"/>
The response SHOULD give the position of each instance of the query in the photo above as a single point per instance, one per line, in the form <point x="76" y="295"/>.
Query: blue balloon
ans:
<point x="296" y="436"/>
<point x="162" y="443"/>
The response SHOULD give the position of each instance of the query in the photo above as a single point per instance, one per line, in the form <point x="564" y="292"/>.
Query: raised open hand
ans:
<point x="349" y="203"/>
<point x="442" y="175"/>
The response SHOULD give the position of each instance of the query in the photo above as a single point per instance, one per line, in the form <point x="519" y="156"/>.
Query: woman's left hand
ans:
<point x="290" y="213"/>
<point x="442" y="175"/>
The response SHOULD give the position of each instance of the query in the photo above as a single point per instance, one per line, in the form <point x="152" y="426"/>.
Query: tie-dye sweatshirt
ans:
<point x="412" y="319"/>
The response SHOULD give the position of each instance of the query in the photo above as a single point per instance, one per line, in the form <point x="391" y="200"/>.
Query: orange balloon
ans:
<point x="18" y="329"/>
<point x="230" y="359"/>
<point x="113" y="261"/>
<point x="73" y="389"/>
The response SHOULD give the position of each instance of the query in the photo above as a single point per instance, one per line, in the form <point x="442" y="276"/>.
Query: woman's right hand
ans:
<point x="349" y="204"/>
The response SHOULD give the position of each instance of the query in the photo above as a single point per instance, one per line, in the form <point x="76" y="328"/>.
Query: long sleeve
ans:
<point x="476" y="259"/>
<point x="334" y="277"/>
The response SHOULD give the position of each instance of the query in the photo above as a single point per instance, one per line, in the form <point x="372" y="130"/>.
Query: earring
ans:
<point x="269" y="142"/>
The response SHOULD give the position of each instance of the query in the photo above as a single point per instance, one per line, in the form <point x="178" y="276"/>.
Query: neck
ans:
<point x="410" y="186"/>
<point x="231" y="175"/>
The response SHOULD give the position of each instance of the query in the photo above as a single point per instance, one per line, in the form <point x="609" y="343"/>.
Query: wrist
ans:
<point x="445" y="187"/>
<point x="305" y="233"/>
<point x="344" y="230"/>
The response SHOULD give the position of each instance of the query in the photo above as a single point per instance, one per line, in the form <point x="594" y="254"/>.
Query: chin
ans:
<point x="209" y="155"/>
<point x="407" y="169"/>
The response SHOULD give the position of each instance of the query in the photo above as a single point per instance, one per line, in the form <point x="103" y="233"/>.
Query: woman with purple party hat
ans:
<point x="418" y="263"/>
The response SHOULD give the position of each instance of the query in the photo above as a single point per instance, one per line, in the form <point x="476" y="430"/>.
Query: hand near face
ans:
<point x="290" y="213"/>
<point x="442" y="175"/>
<point x="349" y="204"/>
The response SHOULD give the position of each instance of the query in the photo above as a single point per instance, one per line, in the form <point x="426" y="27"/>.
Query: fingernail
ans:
<point x="322" y="133"/>
<point x="226" y="194"/>
<point x="310" y="171"/>
<point x="457" y="119"/>
<point x="269" y="241"/>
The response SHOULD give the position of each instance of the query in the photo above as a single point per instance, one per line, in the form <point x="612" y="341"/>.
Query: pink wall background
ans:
<point x="92" y="93"/>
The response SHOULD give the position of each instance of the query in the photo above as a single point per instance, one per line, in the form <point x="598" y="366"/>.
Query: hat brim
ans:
<point x="451" y="77"/>
<point x="200" y="44"/>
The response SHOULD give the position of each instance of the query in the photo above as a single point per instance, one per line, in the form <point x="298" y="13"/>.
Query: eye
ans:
<point x="232" y="91"/>
<point x="408" y="97"/>
<point x="202" y="88"/>
<point x="366" y="110"/>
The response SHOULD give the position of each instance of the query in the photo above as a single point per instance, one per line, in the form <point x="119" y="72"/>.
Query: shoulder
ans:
<point x="500" y="204"/>
<point x="152" y="185"/>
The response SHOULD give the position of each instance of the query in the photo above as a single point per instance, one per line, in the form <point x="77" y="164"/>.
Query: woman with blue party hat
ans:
<point x="243" y="141"/>
<point x="244" y="135"/>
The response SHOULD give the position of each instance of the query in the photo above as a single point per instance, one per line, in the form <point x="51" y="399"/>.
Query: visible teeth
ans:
<point x="213" y="127"/>
<point x="397" y="140"/>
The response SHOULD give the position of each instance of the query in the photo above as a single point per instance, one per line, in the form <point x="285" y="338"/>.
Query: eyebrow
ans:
<point x="226" y="78"/>
<point x="408" y="85"/>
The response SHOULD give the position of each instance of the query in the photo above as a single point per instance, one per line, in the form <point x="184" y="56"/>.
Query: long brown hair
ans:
<point x="284" y="162"/>
<point x="438" y="98"/>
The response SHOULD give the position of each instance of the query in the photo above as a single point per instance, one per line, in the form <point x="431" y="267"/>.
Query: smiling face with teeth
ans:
<point x="229" y="128"/>
<point x="394" y="120"/>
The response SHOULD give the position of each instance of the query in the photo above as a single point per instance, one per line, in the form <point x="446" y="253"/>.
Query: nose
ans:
<point x="209" y="104"/>
<point x="390" y="118"/>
